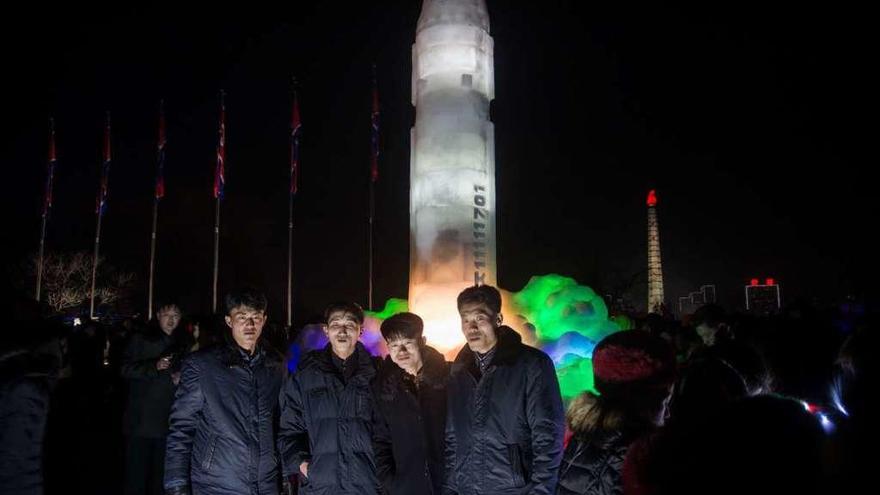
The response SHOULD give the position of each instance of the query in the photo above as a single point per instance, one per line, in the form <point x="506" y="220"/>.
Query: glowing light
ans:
<point x="452" y="165"/>
<point x="435" y="303"/>
<point x="827" y="424"/>
<point x="576" y="378"/>
<point x="557" y="305"/>
<point x="569" y="348"/>
<point x="552" y="312"/>
<point x="392" y="307"/>
<point x="754" y="282"/>
<point x="652" y="198"/>
<point x="811" y="408"/>
<point x="771" y="281"/>
<point x="623" y="322"/>
<point x="838" y="403"/>
<point x="569" y="321"/>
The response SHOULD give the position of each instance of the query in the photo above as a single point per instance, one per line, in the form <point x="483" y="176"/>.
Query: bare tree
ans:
<point x="67" y="280"/>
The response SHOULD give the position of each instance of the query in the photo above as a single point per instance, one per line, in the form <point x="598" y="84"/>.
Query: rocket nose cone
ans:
<point x="465" y="12"/>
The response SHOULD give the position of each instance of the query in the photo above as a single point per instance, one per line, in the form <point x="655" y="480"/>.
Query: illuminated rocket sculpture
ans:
<point x="452" y="163"/>
<point x="655" y="266"/>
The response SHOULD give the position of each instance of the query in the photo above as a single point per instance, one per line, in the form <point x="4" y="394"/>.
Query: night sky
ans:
<point x="747" y="123"/>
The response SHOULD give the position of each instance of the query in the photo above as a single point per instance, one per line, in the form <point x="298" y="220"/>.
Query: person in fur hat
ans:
<point x="634" y="374"/>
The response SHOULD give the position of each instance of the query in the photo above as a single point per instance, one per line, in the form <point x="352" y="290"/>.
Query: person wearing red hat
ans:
<point x="634" y="373"/>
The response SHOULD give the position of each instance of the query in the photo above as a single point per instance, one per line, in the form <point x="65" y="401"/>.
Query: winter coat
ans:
<point x="150" y="391"/>
<point x="221" y="438"/>
<point x="504" y="428"/>
<point x="594" y="465"/>
<point x="326" y="419"/>
<point x="409" y="429"/>
<point x="24" y="406"/>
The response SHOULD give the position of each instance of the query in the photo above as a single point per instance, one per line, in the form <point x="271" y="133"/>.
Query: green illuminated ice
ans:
<point x="557" y="305"/>
<point x="392" y="307"/>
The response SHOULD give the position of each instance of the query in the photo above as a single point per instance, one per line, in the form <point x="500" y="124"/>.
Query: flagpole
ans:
<point x="219" y="184"/>
<point x="40" y="257"/>
<point x="47" y="202"/>
<point x="216" y="254"/>
<point x="294" y="180"/>
<point x="95" y="266"/>
<point x="374" y="175"/>
<point x="372" y="208"/>
<point x="100" y="213"/>
<point x="290" y="261"/>
<point x="152" y="259"/>
<point x="159" y="171"/>
<point x="292" y="189"/>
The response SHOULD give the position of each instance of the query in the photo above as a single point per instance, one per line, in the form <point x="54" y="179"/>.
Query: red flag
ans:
<point x="220" y="170"/>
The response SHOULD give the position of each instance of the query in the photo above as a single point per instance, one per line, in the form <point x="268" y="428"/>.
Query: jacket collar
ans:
<point x="322" y="361"/>
<point x="507" y="350"/>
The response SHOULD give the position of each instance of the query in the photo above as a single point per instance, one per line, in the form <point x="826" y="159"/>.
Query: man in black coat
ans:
<point x="29" y="360"/>
<point x="505" y="421"/>
<point x="325" y="433"/>
<point x="410" y="419"/>
<point x="222" y="426"/>
<point x="147" y="366"/>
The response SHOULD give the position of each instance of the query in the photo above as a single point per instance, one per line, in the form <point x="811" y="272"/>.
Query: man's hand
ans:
<point x="175" y="377"/>
<point x="163" y="363"/>
<point x="304" y="468"/>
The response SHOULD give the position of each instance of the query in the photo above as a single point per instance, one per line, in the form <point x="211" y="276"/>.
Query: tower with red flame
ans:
<point x="655" y="265"/>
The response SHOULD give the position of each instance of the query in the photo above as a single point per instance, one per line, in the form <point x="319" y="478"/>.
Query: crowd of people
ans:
<point x="179" y="406"/>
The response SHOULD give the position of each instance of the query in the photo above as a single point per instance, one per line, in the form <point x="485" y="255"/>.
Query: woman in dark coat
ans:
<point x="634" y="372"/>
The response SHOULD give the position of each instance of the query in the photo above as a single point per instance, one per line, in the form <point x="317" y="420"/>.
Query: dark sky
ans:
<point x="748" y="124"/>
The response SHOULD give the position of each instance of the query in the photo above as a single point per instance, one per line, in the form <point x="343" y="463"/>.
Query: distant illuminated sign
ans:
<point x="763" y="299"/>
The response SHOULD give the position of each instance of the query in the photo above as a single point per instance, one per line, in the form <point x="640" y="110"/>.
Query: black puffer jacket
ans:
<point x="594" y="465"/>
<point x="24" y="406"/>
<point x="410" y="423"/>
<point x="221" y="439"/>
<point x="504" y="430"/>
<point x="326" y="419"/>
<point x="150" y="391"/>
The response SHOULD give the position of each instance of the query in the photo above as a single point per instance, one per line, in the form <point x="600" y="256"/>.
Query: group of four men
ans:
<point x="490" y="422"/>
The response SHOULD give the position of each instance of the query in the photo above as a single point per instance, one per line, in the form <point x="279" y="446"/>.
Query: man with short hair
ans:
<point x="410" y="421"/>
<point x="325" y="430"/>
<point x="222" y="425"/>
<point x="505" y="419"/>
<point x="149" y="366"/>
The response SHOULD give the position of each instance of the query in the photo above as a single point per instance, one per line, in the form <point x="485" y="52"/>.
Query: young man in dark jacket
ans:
<point x="222" y="426"/>
<point x="505" y="419"/>
<point x="410" y="420"/>
<point x="148" y="367"/>
<point x="325" y="431"/>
